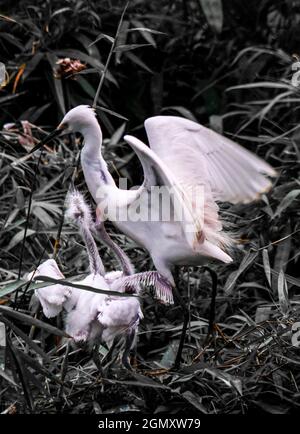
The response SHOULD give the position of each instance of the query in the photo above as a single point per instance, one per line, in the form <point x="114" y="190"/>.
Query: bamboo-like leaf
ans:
<point x="145" y="30"/>
<point x="8" y="378"/>
<point x="145" y="33"/>
<point x="111" y="112"/>
<point x="267" y="267"/>
<point x="18" y="237"/>
<point x="2" y="345"/>
<point x="57" y="84"/>
<point x="286" y="202"/>
<point x="25" y="338"/>
<point x="135" y="59"/>
<point x="84" y="287"/>
<point x="249" y="258"/>
<point x="38" y="367"/>
<point x="11" y="287"/>
<point x="121" y="37"/>
<point x="283" y="293"/>
<point x="129" y="47"/>
<point x="115" y="138"/>
<point x="194" y="401"/>
<point x="262" y="84"/>
<point x="213" y="11"/>
<point x="103" y="36"/>
<point x="60" y="11"/>
<point x="27" y="319"/>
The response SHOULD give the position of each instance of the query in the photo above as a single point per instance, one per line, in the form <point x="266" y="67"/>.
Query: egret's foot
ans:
<point x="126" y="362"/>
<point x="81" y="336"/>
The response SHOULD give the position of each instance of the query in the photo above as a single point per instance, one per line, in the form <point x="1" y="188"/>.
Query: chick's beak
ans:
<point x="55" y="133"/>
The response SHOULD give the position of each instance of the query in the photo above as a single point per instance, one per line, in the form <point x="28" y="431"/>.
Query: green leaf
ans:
<point x="194" y="400"/>
<point x="103" y="36"/>
<point x="129" y="47"/>
<point x="31" y="343"/>
<point x="267" y="267"/>
<point x="213" y="12"/>
<point x="32" y="64"/>
<point x="115" y="138"/>
<point x="283" y="297"/>
<point x="249" y="258"/>
<point x="27" y="319"/>
<point x="57" y="84"/>
<point x="135" y="59"/>
<point x="2" y="345"/>
<point x="111" y="112"/>
<point x="144" y="31"/>
<point x="61" y="11"/>
<point x="18" y="237"/>
<point x="286" y="202"/>
<point x="169" y="356"/>
<point x="11" y="287"/>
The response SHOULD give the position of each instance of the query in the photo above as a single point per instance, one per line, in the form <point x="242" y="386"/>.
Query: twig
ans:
<point x="27" y="219"/>
<point x="62" y="219"/>
<point x="112" y="48"/>
<point x="63" y="371"/>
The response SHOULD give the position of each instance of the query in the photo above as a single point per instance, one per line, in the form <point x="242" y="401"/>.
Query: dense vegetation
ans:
<point x="227" y="65"/>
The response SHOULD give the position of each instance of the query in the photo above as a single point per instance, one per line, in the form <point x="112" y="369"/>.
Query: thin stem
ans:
<point x="112" y="48"/>
<point x="184" y="328"/>
<point x="28" y="215"/>
<point x="212" y="311"/>
<point x="62" y="219"/>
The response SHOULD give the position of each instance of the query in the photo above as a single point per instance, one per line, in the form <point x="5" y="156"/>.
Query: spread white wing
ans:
<point x="197" y="155"/>
<point x="156" y="173"/>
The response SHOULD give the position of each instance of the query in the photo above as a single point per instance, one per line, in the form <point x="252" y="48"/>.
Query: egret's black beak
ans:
<point x="47" y="139"/>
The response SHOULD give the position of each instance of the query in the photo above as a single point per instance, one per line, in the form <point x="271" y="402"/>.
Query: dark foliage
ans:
<point x="227" y="65"/>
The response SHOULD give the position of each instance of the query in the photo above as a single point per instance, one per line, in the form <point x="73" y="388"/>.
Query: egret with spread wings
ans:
<point x="187" y="160"/>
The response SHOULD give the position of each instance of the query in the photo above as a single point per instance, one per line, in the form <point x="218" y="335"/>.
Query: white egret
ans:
<point x="92" y="316"/>
<point x="89" y="316"/>
<point x="187" y="159"/>
<point x="196" y="168"/>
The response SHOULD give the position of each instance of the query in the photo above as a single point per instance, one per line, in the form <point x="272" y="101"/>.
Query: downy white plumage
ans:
<point x="90" y="316"/>
<point x="94" y="316"/>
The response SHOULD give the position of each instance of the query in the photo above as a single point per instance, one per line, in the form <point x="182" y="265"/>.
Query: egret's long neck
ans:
<point x="94" y="167"/>
<point x="99" y="181"/>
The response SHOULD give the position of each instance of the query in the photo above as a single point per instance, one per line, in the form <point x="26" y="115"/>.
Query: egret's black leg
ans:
<point x="96" y="358"/>
<point x="130" y="336"/>
<point x="107" y="359"/>
<point x="184" y="327"/>
<point x="212" y="311"/>
<point x="179" y="299"/>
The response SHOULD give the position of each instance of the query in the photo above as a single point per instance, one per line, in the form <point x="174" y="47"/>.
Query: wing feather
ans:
<point x="156" y="173"/>
<point x="198" y="155"/>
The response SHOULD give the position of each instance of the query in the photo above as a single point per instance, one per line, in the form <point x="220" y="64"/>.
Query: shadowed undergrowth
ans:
<point x="231" y="72"/>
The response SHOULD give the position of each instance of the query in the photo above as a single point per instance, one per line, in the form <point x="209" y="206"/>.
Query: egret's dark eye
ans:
<point x="63" y="126"/>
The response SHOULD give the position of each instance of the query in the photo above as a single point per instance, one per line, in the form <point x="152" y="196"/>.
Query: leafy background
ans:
<point x="227" y="65"/>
